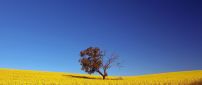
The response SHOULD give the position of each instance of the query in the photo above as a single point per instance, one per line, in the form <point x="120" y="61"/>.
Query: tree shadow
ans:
<point x="83" y="77"/>
<point x="87" y="77"/>
<point x="197" y="82"/>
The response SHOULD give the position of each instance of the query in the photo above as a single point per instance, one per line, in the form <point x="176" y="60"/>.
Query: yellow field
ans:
<point x="24" y="77"/>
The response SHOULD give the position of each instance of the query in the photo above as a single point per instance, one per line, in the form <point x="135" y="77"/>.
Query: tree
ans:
<point x="92" y="60"/>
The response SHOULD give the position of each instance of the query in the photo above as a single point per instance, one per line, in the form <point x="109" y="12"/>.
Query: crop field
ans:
<point x="26" y="77"/>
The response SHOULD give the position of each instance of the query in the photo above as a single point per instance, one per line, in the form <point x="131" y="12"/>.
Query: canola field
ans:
<point x="26" y="77"/>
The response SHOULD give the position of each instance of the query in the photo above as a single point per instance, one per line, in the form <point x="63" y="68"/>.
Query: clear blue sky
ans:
<point x="149" y="36"/>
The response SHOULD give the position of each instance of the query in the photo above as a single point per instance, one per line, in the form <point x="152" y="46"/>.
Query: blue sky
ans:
<point x="151" y="36"/>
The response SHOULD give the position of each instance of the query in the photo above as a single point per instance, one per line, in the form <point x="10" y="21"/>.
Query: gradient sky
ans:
<point x="151" y="36"/>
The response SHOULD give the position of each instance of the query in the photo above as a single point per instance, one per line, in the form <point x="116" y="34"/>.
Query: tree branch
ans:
<point x="100" y="73"/>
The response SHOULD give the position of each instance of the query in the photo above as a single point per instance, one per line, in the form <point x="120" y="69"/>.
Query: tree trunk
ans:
<point x="103" y="75"/>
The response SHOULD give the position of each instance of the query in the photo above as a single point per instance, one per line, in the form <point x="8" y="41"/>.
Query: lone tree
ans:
<point x="92" y="60"/>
